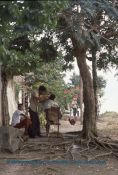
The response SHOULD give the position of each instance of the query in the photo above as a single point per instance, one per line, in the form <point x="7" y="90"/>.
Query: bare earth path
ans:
<point x="110" y="165"/>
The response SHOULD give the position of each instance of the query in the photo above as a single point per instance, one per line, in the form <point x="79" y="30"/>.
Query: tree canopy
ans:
<point x="37" y="32"/>
<point x="21" y="24"/>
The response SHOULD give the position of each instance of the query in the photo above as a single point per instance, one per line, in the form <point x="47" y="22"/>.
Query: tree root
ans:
<point x="90" y="149"/>
<point x="97" y="143"/>
<point x="100" y="155"/>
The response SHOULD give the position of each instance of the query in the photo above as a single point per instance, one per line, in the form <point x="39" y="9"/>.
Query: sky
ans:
<point x="109" y="102"/>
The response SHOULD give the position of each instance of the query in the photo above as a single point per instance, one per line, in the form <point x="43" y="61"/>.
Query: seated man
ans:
<point x="53" y="113"/>
<point x="19" y="120"/>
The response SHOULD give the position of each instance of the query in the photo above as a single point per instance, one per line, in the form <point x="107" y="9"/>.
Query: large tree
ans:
<point x="21" y="48"/>
<point x="105" y="26"/>
<point x="21" y="26"/>
<point x="78" y="23"/>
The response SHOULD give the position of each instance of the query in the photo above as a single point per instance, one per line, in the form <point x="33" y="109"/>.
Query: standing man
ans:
<point x="36" y="98"/>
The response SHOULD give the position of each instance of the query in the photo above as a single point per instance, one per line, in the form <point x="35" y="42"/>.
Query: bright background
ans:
<point x="109" y="102"/>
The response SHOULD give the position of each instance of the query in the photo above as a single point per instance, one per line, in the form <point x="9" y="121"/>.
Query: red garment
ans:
<point x="24" y="123"/>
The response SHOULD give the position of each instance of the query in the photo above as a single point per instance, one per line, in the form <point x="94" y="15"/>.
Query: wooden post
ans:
<point x="81" y="100"/>
<point x="26" y="102"/>
<point x="23" y="97"/>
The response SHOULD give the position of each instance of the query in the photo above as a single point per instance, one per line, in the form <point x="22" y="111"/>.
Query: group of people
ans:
<point x="32" y="123"/>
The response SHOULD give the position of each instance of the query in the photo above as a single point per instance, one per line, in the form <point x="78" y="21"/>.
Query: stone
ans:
<point x="9" y="139"/>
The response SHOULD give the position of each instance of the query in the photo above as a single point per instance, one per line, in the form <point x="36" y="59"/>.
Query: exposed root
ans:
<point x="90" y="149"/>
<point x="109" y="146"/>
<point x="100" y="155"/>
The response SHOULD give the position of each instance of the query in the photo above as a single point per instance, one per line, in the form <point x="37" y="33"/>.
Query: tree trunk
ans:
<point x="0" y="95"/>
<point x="23" y="97"/>
<point x="81" y="100"/>
<point x="12" y="103"/>
<point x="94" y="72"/>
<point x="4" y="100"/>
<point x="89" y="119"/>
<point x="26" y="102"/>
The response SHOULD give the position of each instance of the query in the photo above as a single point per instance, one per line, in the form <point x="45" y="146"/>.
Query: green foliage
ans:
<point x="48" y="51"/>
<point x="75" y="80"/>
<point x="42" y="119"/>
<point x="30" y="19"/>
<point x="91" y="7"/>
<point x="108" y="58"/>
<point x="94" y="23"/>
<point x="39" y="21"/>
<point x="73" y="89"/>
<point x="51" y="76"/>
<point x="17" y="89"/>
<point x="101" y="84"/>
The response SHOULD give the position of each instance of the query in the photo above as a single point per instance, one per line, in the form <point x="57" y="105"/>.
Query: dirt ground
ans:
<point x="39" y="151"/>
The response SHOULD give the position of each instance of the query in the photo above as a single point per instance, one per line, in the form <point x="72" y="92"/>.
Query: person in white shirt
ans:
<point x="19" y="120"/>
<point x="48" y="105"/>
<point x="50" y="102"/>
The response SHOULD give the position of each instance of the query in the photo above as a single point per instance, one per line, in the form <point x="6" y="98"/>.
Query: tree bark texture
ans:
<point x="94" y="72"/>
<point x="0" y="95"/>
<point x="12" y="103"/>
<point x="89" y="119"/>
<point x="4" y="101"/>
<point x="81" y="100"/>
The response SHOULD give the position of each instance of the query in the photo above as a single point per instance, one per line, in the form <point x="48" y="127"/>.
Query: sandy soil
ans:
<point x="106" y="126"/>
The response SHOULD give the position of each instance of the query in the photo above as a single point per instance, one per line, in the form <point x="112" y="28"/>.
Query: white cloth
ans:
<point x="16" y="117"/>
<point x="49" y="103"/>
